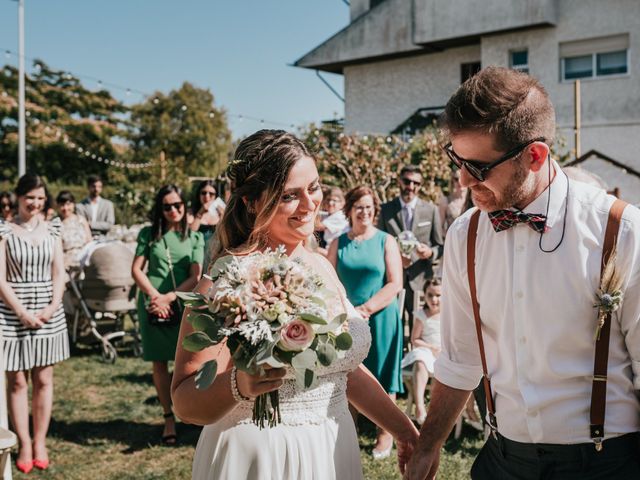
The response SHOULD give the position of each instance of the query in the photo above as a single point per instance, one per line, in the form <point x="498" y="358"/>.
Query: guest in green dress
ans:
<point x="369" y="265"/>
<point x="174" y="255"/>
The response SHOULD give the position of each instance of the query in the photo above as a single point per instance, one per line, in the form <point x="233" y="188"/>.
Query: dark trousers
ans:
<point x="503" y="459"/>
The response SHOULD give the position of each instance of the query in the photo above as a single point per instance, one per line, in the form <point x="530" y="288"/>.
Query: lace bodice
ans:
<point x="328" y="398"/>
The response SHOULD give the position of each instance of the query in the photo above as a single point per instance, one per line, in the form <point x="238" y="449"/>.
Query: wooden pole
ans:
<point x="576" y="101"/>
<point x="163" y="166"/>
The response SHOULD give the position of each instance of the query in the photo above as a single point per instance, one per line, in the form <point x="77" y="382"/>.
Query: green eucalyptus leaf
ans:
<point x="304" y="359"/>
<point x="309" y="378"/>
<point x="205" y="323"/>
<point x="220" y="266"/>
<point x="206" y="374"/>
<point x="193" y="300"/>
<point x="308" y="317"/>
<point x="319" y="301"/>
<point x="344" y="341"/>
<point x="326" y="354"/>
<point x="196" y="342"/>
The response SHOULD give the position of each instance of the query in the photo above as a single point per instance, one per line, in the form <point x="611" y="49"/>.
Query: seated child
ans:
<point x="425" y="341"/>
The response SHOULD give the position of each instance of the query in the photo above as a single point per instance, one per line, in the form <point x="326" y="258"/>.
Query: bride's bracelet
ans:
<point x="235" y="393"/>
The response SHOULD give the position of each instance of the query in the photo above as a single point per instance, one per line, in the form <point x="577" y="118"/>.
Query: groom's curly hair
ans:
<point x="511" y="105"/>
<point x="258" y="172"/>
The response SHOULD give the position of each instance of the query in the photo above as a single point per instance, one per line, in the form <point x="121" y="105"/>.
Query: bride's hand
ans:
<point x="405" y="444"/>
<point x="250" y="386"/>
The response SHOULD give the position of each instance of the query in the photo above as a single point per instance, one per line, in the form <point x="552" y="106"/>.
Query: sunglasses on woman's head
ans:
<point x="167" y="207"/>
<point x="478" y="169"/>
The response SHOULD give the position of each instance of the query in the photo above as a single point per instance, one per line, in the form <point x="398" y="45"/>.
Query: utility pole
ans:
<point x="22" y="130"/>
<point x="576" y="102"/>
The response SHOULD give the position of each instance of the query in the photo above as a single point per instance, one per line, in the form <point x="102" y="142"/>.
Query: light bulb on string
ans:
<point x="128" y="92"/>
<point x="211" y="114"/>
<point x="156" y="100"/>
<point x="7" y="54"/>
<point x="183" y="108"/>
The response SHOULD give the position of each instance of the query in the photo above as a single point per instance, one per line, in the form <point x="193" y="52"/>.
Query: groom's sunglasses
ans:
<point x="478" y="169"/>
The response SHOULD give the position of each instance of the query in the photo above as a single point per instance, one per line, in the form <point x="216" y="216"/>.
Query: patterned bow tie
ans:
<point x="505" y="219"/>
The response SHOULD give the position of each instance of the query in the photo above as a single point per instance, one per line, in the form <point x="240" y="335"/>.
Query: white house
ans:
<point x="402" y="59"/>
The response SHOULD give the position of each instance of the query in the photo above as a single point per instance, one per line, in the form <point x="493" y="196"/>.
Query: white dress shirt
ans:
<point x="539" y="320"/>
<point x="93" y="208"/>
<point x="335" y="225"/>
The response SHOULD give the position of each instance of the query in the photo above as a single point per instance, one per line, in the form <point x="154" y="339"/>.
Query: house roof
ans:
<point x="400" y="28"/>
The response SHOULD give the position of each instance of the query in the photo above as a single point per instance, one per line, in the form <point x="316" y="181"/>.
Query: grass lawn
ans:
<point x="107" y="425"/>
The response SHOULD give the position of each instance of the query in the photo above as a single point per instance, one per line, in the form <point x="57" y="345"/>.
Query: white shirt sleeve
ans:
<point x="629" y="314"/>
<point x="458" y="365"/>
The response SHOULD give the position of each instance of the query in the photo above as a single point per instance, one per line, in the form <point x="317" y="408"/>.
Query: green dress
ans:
<point x="159" y="342"/>
<point x="362" y="269"/>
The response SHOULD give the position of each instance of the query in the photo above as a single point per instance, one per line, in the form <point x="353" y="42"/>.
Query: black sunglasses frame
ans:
<point x="407" y="182"/>
<point x="167" y="207"/>
<point x="479" y="169"/>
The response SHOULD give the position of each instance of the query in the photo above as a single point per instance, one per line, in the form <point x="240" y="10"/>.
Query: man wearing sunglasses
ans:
<point x="521" y="277"/>
<point x="422" y="218"/>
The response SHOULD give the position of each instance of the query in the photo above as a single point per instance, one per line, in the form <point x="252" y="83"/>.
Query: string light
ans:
<point x="129" y="91"/>
<point x="78" y="148"/>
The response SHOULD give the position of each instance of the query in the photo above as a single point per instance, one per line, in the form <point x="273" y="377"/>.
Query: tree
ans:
<point x="351" y="160"/>
<point x="70" y="130"/>
<point x="187" y="128"/>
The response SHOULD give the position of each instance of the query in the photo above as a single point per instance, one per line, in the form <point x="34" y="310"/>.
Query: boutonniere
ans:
<point x="609" y="295"/>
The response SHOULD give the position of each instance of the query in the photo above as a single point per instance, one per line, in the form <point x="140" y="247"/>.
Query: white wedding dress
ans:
<point x="315" y="440"/>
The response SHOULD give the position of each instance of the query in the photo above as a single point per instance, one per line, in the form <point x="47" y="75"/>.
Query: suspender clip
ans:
<point x="598" y="444"/>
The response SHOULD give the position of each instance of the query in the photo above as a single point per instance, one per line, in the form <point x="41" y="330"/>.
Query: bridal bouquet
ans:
<point x="271" y="310"/>
<point x="407" y="242"/>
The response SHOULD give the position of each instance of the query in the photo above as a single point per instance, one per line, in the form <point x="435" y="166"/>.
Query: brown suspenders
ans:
<point x="599" y="389"/>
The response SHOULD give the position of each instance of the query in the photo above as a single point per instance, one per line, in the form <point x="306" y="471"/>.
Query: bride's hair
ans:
<point x="258" y="171"/>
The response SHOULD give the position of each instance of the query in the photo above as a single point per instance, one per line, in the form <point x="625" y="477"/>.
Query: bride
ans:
<point x="275" y="199"/>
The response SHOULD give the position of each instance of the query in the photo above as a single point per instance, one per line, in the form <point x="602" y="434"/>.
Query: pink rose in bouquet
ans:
<point x="296" y="336"/>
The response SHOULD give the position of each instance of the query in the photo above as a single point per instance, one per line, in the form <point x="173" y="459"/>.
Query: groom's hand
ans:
<point x="405" y="446"/>
<point x="423" y="465"/>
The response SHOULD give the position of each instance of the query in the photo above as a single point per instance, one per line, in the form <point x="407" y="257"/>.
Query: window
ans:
<point x="594" y="58"/>
<point x="468" y="70"/>
<point x="519" y="60"/>
<point x="611" y="63"/>
<point x="578" y="67"/>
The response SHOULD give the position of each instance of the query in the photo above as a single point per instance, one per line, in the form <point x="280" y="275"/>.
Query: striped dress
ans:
<point x="29" y="275"/>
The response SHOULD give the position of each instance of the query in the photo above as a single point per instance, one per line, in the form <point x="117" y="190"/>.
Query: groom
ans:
<point x="525" y="307"/>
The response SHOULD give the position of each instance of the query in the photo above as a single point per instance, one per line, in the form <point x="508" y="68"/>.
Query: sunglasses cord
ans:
<point x="566" y="205"/>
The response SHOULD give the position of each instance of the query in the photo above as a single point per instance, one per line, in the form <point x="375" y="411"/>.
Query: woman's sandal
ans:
<point x="172" y="439"/>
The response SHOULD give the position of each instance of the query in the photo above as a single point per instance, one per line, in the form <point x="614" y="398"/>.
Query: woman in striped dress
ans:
<point x="33" y="325"/>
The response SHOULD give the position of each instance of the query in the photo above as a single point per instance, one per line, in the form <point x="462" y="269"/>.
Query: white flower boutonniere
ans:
<point x="609" y="296"/>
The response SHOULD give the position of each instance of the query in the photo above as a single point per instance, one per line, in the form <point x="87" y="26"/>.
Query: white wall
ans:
<point x="381" y="95"/>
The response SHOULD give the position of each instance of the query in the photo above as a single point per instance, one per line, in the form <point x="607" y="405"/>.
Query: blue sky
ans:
<point x="239" y="49"/>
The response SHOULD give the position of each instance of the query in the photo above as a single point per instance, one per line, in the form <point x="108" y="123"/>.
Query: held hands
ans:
<point x="405" y="444"/>
<point x="160" y="304"/>
<point x="30" y="320"/>
<point x="250" y="386"/>
<point x="45" y="314"/>
<point x="423" y="465"/>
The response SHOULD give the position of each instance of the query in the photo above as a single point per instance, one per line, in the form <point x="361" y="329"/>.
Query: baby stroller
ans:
<point x="102" y="292"/>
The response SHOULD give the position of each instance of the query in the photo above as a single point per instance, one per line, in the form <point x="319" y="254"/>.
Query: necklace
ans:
<point x="27" y="226"/>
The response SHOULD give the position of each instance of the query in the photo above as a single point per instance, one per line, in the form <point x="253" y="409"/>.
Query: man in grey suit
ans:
<point x="409" y="212"/>
<point x="98" y="211"/>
